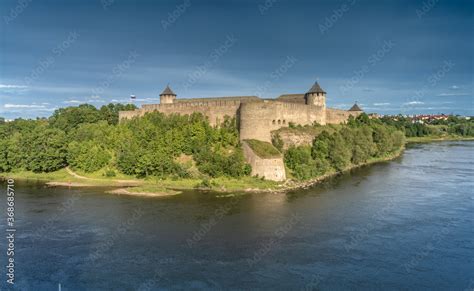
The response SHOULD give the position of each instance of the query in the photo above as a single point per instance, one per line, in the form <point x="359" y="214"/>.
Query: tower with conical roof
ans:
<point x="316" y="96"/>
<point x="167" y="96"/>
<point x="355" y="107"/>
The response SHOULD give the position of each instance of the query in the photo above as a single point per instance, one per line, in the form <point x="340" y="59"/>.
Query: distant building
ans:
<point x="427" y="118"/>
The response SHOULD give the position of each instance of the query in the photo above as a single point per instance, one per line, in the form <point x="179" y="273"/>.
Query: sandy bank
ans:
<point x="129" y="191"/>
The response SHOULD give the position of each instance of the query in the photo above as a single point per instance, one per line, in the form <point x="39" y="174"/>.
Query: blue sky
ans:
<point x="390" y="56"/>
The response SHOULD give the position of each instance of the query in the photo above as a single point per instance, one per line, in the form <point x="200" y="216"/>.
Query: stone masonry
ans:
<point x="257" y="117"/>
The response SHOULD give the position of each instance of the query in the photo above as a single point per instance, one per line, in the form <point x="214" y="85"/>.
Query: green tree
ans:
<point x="339" y="152"/>
<point x="70" y="117"/>
<point x="47" y="150"/>
<point x="110" y="112"/>
<point x="88" y="156"/>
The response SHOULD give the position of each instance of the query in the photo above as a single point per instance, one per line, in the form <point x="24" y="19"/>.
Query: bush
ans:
<point x="277" y="142"/>
<point x="109" y="173"/>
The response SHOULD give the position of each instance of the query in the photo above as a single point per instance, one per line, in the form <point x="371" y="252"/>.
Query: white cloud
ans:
<point x="454" y="87"/>
<point x="452" y="94"/>
<point x="147" y="99"/>
<point x="414" y="103"/>
<point x="7" y="86"/>
<point x="72" y="101"/>
<point x="23" y="106"/>
<point x="381" y="104"/>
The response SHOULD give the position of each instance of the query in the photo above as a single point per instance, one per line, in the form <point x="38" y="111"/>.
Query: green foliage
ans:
<point x="90" y="139"/>
<point x="46" y="150"/>
<point x="110" y="112"/>
<point x="88" y="156"/>
<point x="299" y="160"/>
<point x="263" y="149"/>
<point x="277" y="142"/>
<point x="453" y="125"/>
<point x="70" y="117"/>
<point x="339" y="152"/>
<point x="109" y="173"/>
<point x="335" y="149"/>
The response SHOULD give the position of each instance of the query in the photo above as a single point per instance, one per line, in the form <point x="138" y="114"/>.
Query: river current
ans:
<point x="398" y="225"/>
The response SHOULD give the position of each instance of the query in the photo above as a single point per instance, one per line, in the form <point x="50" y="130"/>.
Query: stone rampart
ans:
<point x="337" y="116"/>
<point x="272" y="169"/>
<point x="258" y="119"/>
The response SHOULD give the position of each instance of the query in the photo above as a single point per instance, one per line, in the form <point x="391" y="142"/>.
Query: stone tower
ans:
<point x="167" y="96"/>
<point x="355" y="108"/>
<point x="316" y="96"/>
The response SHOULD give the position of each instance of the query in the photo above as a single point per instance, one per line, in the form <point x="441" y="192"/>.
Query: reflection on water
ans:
<point x="405" y="224"/>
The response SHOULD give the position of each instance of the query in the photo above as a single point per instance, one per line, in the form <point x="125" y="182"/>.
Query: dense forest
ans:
<point x="89" y="139"/>
<point x="186" y="146"/>
<point x="356" y="143"/>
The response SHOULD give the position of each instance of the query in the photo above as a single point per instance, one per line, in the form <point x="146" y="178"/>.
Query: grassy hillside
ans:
<point x="265" y="150"/>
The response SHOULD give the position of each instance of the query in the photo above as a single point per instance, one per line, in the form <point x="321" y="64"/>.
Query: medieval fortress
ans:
<point x="256" y="117"/>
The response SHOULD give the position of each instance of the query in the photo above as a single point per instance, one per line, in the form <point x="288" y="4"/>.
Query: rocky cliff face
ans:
<point x="294" y="138"/>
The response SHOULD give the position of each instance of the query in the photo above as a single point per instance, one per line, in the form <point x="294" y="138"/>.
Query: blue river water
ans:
<point x="406" y="224"/>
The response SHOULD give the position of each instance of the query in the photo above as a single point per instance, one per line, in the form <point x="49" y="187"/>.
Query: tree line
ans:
<point x="353" y="144"/>
<point x="90" y="139"/>
<point x="181" y="146"/>
<point x="453" y="125"/>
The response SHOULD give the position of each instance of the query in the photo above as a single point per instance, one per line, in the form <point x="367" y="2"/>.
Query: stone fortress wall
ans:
<point x="338" y="116"/>
<point x="256" y="117"/>
<point x="259" y="119"/>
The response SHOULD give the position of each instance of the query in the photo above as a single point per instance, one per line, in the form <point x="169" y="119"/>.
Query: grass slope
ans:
<point x="263" y="149"/>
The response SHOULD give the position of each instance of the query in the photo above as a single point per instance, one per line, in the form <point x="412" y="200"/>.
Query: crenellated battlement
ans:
<point x="257" y="118"/>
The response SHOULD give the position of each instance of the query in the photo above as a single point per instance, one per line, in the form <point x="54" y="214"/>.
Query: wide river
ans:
<point x="404" y="224"/>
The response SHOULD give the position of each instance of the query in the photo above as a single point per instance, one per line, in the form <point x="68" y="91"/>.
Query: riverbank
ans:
<point x="426" y="139"/>
<point x="294" y="185"/>
<point x="144" y="187"/>
<point x="153" y="187"/>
